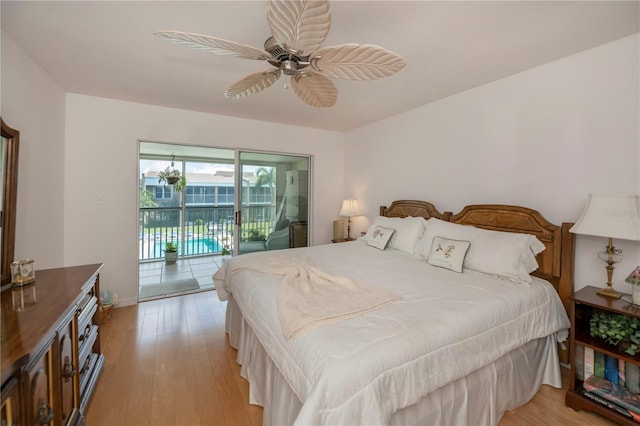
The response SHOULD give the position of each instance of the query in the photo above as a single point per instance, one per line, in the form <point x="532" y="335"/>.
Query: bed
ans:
<point x="444" y="347"/>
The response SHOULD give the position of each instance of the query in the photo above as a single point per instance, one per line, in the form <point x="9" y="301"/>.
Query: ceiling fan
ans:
<point x="298" y="28"/>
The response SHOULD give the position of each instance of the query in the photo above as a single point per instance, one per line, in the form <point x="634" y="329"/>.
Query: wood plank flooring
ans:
<point x="168" y="362"/>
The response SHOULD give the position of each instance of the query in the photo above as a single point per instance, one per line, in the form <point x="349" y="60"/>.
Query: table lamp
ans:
<point x="610" y="216"/>
<point x="350" y="208"/>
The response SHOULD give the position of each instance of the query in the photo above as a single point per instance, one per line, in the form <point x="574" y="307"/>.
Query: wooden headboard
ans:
<point x="556" y="261"/>
<point x="405" y="208"/>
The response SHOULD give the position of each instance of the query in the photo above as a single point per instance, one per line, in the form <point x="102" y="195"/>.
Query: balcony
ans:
<point x="206" y="230"/>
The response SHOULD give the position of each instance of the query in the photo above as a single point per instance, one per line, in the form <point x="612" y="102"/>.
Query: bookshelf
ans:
<point x="584" y="304"/>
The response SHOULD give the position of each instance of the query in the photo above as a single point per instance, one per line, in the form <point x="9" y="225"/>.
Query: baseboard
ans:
<point x="129" y="301"/>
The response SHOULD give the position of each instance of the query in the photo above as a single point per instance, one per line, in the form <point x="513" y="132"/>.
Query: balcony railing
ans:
<point x="206" y="229"/>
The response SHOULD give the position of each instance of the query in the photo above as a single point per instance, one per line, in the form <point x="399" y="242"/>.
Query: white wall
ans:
<point x="101" y="161"/>
<point x="544" y="139"/>
<point x="33" y="104"/>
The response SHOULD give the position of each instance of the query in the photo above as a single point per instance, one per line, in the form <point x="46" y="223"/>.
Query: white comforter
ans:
<point x="363" y="369"/>
<point x="308" y="296"/>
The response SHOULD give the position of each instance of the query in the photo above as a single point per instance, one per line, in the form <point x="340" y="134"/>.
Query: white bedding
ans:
<point x="363" y="369"/>
<point x="308" y="296"/>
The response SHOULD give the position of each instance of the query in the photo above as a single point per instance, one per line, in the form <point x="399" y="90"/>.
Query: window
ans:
<point x="260" y="195"/>
<point x="160" y="192"/>
<point x="225" y="195"/>
<point x="199" y="195"/>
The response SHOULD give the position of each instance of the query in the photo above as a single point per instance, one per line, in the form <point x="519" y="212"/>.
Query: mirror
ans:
<point x="9" y="169"/>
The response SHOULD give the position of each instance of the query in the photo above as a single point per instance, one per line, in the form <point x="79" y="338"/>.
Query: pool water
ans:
<point x="192" y="247"/>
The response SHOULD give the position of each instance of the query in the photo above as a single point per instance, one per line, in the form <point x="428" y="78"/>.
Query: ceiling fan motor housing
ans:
<point x="285" y="59"/>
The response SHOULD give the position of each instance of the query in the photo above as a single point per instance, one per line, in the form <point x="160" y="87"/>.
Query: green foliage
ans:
<point x="172" y="176"/>
<point x="226" y="249"/>
<point x="255" y="235"/>
<point x="614" y="329"/>
<point x="266" y="176"/>
<point x="171" y="247"/>
<point x="146" y="199"/>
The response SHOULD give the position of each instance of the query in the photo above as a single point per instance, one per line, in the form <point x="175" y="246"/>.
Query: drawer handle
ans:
<point x="87" y="364"/>
<point x="85" y="335"/>
<point x="68" y="370"/>
<point x="45" y="412"/>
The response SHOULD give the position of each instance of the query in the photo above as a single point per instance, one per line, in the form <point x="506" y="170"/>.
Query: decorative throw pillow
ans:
<point x="380" y="236"/>
<point x="448" y="253"/>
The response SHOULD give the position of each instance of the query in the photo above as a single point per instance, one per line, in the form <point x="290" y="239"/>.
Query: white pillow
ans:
<point x="408" y="231"/>
<point x="380" y="237"/>
<point x="438" y="227"/>
<point x="508" y="256"/>
<point x="448" y="253"/>
<point x="505" y="254"/>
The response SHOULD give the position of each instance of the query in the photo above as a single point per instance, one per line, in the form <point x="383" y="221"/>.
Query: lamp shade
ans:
<point x="634" y="277"/>
<point x="350" y="208"/>
<point x="610" y="216"/>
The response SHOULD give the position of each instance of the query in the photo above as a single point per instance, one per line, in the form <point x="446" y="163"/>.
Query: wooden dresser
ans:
<point x="51" y="356"/>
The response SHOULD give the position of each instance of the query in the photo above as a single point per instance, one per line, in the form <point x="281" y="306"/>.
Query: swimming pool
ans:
<point x="191" y="247"/>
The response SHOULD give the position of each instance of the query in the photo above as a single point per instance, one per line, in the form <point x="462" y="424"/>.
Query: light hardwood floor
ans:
<point x="168" y="362"/>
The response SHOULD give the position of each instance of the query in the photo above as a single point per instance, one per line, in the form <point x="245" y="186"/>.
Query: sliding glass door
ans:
<point x="273" y="201"/>
<point x="232" y="201"/>
<point x="199" y="217"/>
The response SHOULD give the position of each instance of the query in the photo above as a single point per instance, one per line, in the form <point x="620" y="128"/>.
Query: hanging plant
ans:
<point x="172" y="176"/>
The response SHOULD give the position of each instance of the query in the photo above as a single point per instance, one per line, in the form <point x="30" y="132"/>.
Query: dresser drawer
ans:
<point x="86" y="322"/>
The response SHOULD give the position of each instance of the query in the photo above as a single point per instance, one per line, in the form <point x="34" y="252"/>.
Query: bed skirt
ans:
<point x="480" y="398"/>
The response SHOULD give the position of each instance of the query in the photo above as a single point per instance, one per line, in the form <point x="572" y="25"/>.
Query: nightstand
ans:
<point x="339" y="241"/>
<point x="584" y="304"/>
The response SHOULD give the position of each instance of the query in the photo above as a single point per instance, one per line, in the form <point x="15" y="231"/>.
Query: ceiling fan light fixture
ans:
<point x="289" y="67"/>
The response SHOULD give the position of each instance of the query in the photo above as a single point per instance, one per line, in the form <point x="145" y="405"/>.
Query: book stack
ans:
<point x="607" y="380"/>
<point x="614" y="396"/>
<point x="590" y="362"/>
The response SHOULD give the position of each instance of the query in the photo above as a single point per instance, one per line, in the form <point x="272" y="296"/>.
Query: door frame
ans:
<point x="239" y="188"/>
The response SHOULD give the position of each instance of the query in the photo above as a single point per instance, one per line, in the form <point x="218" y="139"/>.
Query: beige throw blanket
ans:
<point x="308" y="296"/>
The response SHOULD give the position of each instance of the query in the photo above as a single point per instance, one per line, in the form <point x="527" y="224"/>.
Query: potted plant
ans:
<point x="226" y="248"/>
<point x="172" y="176"/>
<point x="618" y="330"/>
<point x="171" y="252"/>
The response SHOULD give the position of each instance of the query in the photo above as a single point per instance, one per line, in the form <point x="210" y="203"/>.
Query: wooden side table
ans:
<point x="584" y="304"/>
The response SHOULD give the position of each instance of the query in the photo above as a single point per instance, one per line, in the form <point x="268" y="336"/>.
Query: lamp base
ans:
<point x="609" y="292"/>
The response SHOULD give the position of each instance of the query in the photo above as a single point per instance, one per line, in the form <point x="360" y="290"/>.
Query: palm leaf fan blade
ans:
<point x="218" y="46"/>
<point x="300" y="25"/>
<point x="315" y="89"/>
<point x="357" y="62"/>
<point x="252" y="84"/>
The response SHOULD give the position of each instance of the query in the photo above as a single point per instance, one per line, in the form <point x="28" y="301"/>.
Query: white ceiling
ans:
<point x="107" y="49"/>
